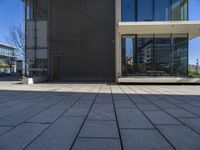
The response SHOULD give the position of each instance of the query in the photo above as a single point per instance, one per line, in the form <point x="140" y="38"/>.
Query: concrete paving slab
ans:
<point x="132" y="118"/>
<point x="181" y="137"/>
<point x="77" y="112"/>
<point x="104" y="100"/>
<point x="160" y="117"/>
<point x="144" y="140"/>
<point x="4" y="130"/>
<point x="14" y="109"/>
<point x="124" y="104"/>
<point x="97" y="144"/>
<point x="179" y="102"/>
<point x="193" y="123"/>
<point x="102" y="112"/>
<point x="21" y="136"/>
<point x="193" y="109"/>
<point x="161" y="103"/>
<point x="83" y="104"/>
<point x="89" y="96"/>
<point x="63" y="107"/>
<point x="99" y="129"/>
<point x="46" y="103"/>
<point x="180" y="113"/>
<point x="147" y="107"/>
<point x="59" y="136"/>
<point x="20" y="117"/>
<point x="139" y="99"/>
<point x="47" y="116"/>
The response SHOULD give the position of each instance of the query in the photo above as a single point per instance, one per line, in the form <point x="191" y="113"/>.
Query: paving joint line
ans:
<point x="76" y="137"/>
<point x="175" y="117"/>
<point x="119" y="131"/>
<point x="179" y="107"/>
<point x="53" y="121"/>
<point x="149" y="119"/>
<point x="172" y="116"/>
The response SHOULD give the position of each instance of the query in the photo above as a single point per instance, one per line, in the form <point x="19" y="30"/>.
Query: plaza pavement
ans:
<point x="99" y="117"/>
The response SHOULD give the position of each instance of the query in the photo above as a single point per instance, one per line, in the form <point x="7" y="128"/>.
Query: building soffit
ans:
<point x="192" y="28"/>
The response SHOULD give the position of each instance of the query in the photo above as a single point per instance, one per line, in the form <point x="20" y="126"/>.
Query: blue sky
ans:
<point x="11" y="12"/>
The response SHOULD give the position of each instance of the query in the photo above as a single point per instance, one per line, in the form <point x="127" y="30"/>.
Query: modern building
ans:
<point x="106" y="40"/>
<point x="7" y="59"/>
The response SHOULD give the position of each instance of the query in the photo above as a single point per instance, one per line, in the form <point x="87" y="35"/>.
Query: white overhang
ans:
<point x="192" y="28"/>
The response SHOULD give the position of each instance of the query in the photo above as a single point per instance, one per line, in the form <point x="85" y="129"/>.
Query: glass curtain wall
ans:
<point x="179" y="10"/>
<point x="162" y="10"/>
<point x="145" y="10"/>
<point x="155" y="55"/>
<point x="154" y="10"/>
<point x="145" y="54"/>
<point x="128" y="10"/>
<point x="162" y="55"/>
<point x="180" y="55"/>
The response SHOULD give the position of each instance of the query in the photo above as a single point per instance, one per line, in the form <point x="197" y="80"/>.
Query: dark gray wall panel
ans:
<point x="85" y="30"/>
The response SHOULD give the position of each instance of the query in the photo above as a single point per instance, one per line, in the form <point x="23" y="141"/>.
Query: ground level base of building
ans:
<point x="158" y="80"/>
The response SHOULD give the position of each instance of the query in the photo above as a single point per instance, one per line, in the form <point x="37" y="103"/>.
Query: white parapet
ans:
<point x="163" y="27"/>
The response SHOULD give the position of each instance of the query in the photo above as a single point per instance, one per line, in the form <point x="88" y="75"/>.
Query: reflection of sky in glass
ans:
<point x="145" y="10"/>
<point x="128" y="10"/>
<point x="129" y="47"/>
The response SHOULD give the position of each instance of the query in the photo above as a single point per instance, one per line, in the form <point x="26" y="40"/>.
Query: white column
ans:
<point x="117" y="40"/>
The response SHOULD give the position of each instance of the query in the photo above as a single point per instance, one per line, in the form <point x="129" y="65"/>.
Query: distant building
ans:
<point x="7" y="59"/>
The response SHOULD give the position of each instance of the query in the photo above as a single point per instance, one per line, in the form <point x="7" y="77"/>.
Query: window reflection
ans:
<point x="128" y="55"/>
<point x="154" y="10"/>
<point x="128" y="10"/>
<point x="145" y="54"/>
<point x="180" y="55"/>
<point x="162" y="10"/>
<point x="145" y="10"/>
<point x="155" y="55"/>
<point x="162" y="54"/>
<point x="179" y="10"/>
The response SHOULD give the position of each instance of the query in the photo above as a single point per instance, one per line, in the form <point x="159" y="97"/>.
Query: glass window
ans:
<point x="162" y="55"/>
<point x="128" y="10"/>
<point x="162" y="10"/>
<point x="180" y="55"/>
<point x="145" y="10"/>
<point x="179" y="10"/>
<point x="155" y="55"/>
<point x="128" y="55"/>
<point x="145" y="55"/>
<point x="184" y="9"/>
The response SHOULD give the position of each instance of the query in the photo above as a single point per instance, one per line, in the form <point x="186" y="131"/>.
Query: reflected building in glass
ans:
<point x="104" y="40"/>
<point x="162" y="52"/>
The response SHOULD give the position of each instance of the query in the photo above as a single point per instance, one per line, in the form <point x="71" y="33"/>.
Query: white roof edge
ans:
<point x="161" y="27"/>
